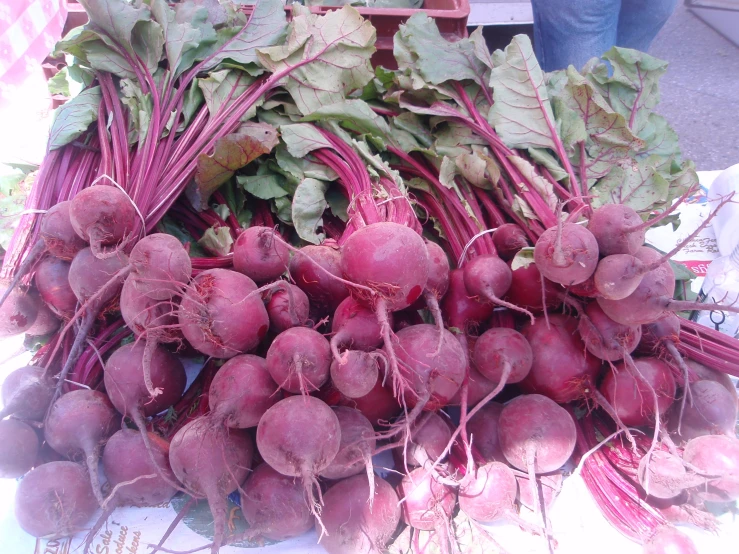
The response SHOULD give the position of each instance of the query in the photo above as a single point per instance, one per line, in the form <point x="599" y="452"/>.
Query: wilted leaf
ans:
<point x="422" y="49"/>
<point x="74" y="117"/>
<point x="186" y="30"/>
<point x="544" y="158"/>
<point x="476" y="166"/>
<point x="173" y="227"/>
<point x="453" y="139"/>
<point x="633" y="88"/>
<point x="265" y="187"/>
<point x="338" y="203"/>
<point x="521" y="113"/>
<point x="14" y="189"/>
<point x="191" y="103"/>
<point x="58" y="84"/>
<point x="523" y="258"/>
<point x="223" y="87"/>
<point x="659" y="138"/>
<point x="609" y="141"/>
<point x="309" y="203"/>
<point x="116" y="19"/>
<point x="140" y="107"/>
<point x="297" y="169"/>
<point x="282" y="208"/>
<point x="447" y="172"/>
<point x="327" y="56"/>
<point x="355" y="115"/>
<point x="231" y="152"/>
<point x="217" y="242"/>
<point x="266" y="27"/>
<point x="103" y="58"/>
<point x="413" y="124"/>
<point x="303" y="138"/>
<point x="638" y="185"/>
<point x="544" y="188"/>
<point x="148" y="42"/>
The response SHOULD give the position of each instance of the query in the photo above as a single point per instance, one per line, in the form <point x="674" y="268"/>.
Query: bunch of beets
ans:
<point x="395" y="330"/>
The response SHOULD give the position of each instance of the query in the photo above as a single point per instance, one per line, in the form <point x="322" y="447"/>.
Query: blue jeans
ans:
<point x="570" y="32"/>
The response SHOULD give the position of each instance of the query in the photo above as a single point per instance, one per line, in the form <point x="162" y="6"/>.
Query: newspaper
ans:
<point x="701" y="250"/>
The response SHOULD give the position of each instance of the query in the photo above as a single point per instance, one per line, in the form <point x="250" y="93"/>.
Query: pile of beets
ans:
<point x="319" y="358"/>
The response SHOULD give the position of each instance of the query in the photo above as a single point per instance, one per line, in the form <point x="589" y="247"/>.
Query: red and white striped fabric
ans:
<point x="28" y="31"/>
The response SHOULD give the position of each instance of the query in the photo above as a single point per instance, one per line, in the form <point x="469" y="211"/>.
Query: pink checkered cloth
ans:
<point x="28" y="31"/>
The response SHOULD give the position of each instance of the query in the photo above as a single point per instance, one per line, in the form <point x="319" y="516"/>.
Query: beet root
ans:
<point x="613" y="226"/>
<point x="92" y="277"/>
<point x="299" y="437"/>
<point x="508" y="239"/>
<point x="18" y="313"/>
<point x="161" y="266"/>
<point x="126" y="460"/>
<point x="490" y="278"/>
<point x="711" y="410"/>
<point x="715" y="455"/>
<point x="379" y="405"/>
<point x="356" y="373"/>
<point x="483" y="428"/>
<point x="102" y="215"/>
<point x="650" y="300"/>
<point x="19" y="448"/>
<point x="355" y="326"/>
<point x="242" y="391"/>
<point x="536" y="433"/>
<point x="428" y="440"/>
<point x="390" y="259"/>
<point x="299" y="360"/>
<point x="463" y="310"/>
<point x="662" y="474"/>
<point x="260" y="255"/>
<point x="604" y="338"/>
<point x="211" y="462"/>
<point x="59" y="236"/>
<point x="428" y="503"/>
<point x="55" y="500"/>
<point x="220" y="316"/>
<point x="46" y="322"/>
<point x="434" y="374"/>
<point x="490" y="494"/>
<point x="562" y="370"/>
<point x="631" y="391"/>
<point x="566" y="254"/>
<point x="125" y="379"/>
<point x="527" y="290"/>
<point x="78" y="423"/>
<point x="152" y="321"/>
<point x="274" y="506"/>
<point x="324" y="292"/>
<point x="356" y="448"/>
<point x="503" y="356"/>
<point x="281" y="315"/>
<point x="550" y="483"/>
<point x="354" y="525"/>
<point x="52" y="282"/>
<point x="27" y="393"/>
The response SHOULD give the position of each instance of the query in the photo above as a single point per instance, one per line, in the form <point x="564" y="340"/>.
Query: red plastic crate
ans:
<point x="450" y="15"/>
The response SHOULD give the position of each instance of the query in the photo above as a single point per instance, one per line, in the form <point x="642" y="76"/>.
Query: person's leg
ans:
<point x="640" y="21"/>
<point x="570" y="32"/>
